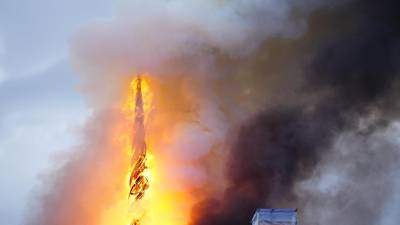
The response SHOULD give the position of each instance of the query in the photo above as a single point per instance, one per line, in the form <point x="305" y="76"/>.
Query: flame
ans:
<point x="161" y="203"/>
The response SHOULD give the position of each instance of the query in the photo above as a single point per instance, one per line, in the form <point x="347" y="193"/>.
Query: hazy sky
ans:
<point x="40" y="109"/>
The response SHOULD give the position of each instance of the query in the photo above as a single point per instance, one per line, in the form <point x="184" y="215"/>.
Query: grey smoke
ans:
<point x="355" y="183"/>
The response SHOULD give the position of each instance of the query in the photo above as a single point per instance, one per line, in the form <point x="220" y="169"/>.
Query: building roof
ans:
<point x="275" y="216"/>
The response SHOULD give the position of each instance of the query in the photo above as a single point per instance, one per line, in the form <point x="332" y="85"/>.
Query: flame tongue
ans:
<point x="138" y="181"/>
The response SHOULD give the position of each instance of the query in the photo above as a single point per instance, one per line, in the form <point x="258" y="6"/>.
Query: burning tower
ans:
<point x="138" y="181"/>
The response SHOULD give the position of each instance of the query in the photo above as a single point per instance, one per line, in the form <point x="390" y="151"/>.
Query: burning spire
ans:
<point x="138" y="181"/>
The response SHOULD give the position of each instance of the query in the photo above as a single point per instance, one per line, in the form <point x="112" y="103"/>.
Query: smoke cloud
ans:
<point x="348" y="58"/>
<point x="264" y="103"/>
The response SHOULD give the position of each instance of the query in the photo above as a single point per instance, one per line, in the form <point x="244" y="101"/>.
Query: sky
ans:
<point x="40" y="107"/>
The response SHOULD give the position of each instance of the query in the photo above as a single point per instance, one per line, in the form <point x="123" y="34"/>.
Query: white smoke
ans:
<point x="149" y="36"/>
<point x="167" y="38"/>
<point x="181" y="38"/>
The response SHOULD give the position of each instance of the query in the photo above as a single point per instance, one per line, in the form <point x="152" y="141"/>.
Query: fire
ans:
<point x="139" y="178"/>
<point x="146" y="195"/>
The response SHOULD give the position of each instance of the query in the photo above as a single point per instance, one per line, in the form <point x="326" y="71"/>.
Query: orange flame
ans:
<point x="162" y="203"/>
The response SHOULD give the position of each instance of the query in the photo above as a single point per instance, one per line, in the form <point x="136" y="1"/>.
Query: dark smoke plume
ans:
<point x="349" y="60"/>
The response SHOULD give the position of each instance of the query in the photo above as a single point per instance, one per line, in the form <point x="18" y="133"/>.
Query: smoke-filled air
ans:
<point x="202" y="111"/>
